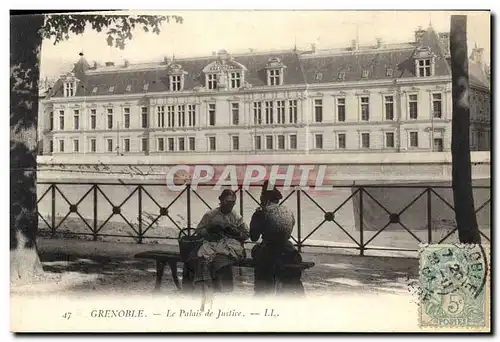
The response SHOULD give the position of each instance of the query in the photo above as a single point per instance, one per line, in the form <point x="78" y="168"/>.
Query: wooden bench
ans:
<point x="163" y="258"/>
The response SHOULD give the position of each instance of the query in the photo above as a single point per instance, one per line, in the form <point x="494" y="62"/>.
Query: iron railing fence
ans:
<point x="359" y="194"/>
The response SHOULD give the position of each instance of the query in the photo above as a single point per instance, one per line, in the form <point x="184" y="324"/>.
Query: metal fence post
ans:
<point x="188" y="209"/>
<point x="429" y="215"/>
<point x="299" y="243"/>
<point x="241" y="200"/>
<point x="361" y="228"/>
<point x="95" y="213"/>
<point x="53" y="210"/>
<point x="140" y="212"/>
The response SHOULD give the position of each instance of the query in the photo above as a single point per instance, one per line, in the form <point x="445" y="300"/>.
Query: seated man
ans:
<point x="223" y="233"/>
<point x="274" y="223"/>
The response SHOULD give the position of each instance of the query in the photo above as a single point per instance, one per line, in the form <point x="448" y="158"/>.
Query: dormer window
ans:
<point x="111" y="89"/>
<point x="365" y="74"/>
<point x="275" y="69"/>
<point x="319" y="76"/>
<point x="341" y="76"/>
<point x="424" y="62"/>
<point x="212" y="81"/>
<point x="235" y="80"/>
<point x="274" y="77"/>
<point x="69" y="89"/>
<point x="94" y="90"/>
<point x="176" y="77"/>
<point x="175" y="83"/>
<point x="145" y="87"/>
<point x="424" y="68"/>
<point x="388" y="72"/>
<point x="129" y="87"/>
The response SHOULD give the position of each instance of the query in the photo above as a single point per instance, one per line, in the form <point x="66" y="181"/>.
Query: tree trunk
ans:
<point x="465" y="215"/>
<point x="25" y="44"/>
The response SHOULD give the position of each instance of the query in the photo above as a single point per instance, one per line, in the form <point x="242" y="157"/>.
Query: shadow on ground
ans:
<point x="335" y="273"/>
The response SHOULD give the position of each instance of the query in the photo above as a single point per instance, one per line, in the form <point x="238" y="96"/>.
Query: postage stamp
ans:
<point x="454" y="286"/>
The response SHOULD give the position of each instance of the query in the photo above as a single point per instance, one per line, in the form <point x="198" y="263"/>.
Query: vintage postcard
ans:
<point x="251" y="171"/>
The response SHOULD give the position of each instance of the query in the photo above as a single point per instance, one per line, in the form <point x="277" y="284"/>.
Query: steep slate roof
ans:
<point x="301" y="68"/>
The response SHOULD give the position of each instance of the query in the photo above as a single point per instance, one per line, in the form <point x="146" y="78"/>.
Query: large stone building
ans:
<point x="387" y="97"/>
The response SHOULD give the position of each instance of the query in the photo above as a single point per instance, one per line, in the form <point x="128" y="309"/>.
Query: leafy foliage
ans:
<point x="119" y="27"/>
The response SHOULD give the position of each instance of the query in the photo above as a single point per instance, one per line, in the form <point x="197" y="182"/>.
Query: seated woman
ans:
<point x="274" y="223"/>
<point x="223" y="233"/>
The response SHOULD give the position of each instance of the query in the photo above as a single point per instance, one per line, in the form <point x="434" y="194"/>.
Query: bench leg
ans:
<point x="160" y="268"/>
<point x="175" y="276"/>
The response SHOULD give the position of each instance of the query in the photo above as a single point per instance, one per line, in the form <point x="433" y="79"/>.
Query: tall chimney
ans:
<point x="444" y="38"/>
<point x="379" y="43"/>
<point x="354" y="44"/>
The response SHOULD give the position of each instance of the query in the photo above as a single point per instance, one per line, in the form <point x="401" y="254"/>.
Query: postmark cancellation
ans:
<point x="454" y="281"/>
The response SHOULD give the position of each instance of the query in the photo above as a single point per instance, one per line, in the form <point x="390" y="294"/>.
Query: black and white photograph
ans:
<point x="188" y="171"/>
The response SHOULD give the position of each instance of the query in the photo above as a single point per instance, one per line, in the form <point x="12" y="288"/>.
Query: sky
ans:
<point x="238" y="31"/>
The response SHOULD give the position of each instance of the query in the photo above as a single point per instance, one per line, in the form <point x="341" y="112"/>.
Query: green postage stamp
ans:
<point x="454" y="281"/>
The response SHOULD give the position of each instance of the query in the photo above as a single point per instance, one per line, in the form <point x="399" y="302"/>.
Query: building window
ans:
<point x="170" y="116"/>
<point x="269" y="142"/>
<point x="51" y="146"/>
<point x="293" y="142"/>
<point x="436" y="106"/>
<point x="211" y="114"/>
<point x="274" y="77"/>
<point x="182" y="144"/>
<point x="389" y="107"/>
<point x="110" y="145"/>
<point x="51" y="121"/>
<point x="161" y="144"/>
<point x="160" y="111"/>
<point x="212" y="81"/>
<point x="341" y="142"/>
<point x="318" y="110"/>
<point x="144" y="117"/>
<point x="192" y="143"/>
<point x="269" y="112"/>
<point x="365" y="74"/>
<point x="145" y="144"/>
<point x="235" y="111"/>
<point x="126" y="117"/>
<point x="212" y="144"/>
<point x="76" y="119"/>
<point x="389" y="139"/>
<point x="424" y="67"/>
<point x="171" y="144"/>
<point x="280" y="111"/>
<point x="235" y="143"/>
<point x="145" y="87"/>
<point x="191" y="115"/>
<point x="365" y="140"/>
<point x="61" y="145"/>
<point x="388" y="72"/>
<point x="258" y="142"/>
<point x="110" y="118"/>
<point x="318" y="141"/>
<point x="235" y="80"/>
<point x="281" y="142"/>
<point x="341" y="110"/>
<point x="126" y="144"/>
<point x="341" y="76"/>
<point x="93" y="119"/>
<point x="365" y="108"/>
<point x="257" y="113"/>
<point x="69" y="89"/>
<point x="413" y="139"/>
<point x="129" y="87"/>
<point x="94" y="90"/>
<point x="61" y="119"/>
<point x="175" y="83"/>
<point x="438" y="145"/>
<point x="413" y="103"/>
<point x="76" y="145"/>
<point x="181" y="115"/>
<point x="292" y="111"/>
<point x="93" y="146"/>
<point x="111" y="89"/>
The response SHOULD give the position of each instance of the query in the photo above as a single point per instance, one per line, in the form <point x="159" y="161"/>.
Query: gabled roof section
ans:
<point x="431" y="40"/>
